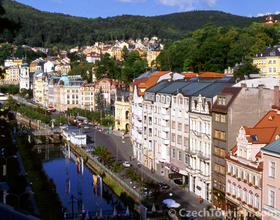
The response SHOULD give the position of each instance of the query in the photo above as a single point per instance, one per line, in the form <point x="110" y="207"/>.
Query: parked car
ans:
<point x="126" y="164"/>
<point x="86" y="127"/>
<point x="79" y="126"/>
<point x="146" y="192"/>
<point x="164" y="185"/>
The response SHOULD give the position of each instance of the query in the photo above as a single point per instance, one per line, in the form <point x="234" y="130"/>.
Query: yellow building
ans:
<point x="268" y="61"/>
<point x="122" y="114"/>
<point x="152" y="55"/>
<point x="117" y="53"/>
<point x="17" y="62"/>
<point x="14" y="73"/>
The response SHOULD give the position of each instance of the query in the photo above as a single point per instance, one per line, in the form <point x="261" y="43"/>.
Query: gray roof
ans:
<point x="270" y="51"/>
<point x="213" y="89"/>
<point x="147" y="74"/>
<point x="273" y="147"/>
<point x="172" y="88"/>
<point x="193" y="88"/>
<point x="158" y="86"/>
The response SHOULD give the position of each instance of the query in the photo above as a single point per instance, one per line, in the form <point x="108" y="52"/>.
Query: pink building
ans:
<point x="245" y="168"/>
<point x="271" y="174"/>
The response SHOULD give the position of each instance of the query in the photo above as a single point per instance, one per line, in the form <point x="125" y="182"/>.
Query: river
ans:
<point x="69" y="181"/>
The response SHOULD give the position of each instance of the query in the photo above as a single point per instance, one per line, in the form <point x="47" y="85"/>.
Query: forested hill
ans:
<point x="48" y="29"/>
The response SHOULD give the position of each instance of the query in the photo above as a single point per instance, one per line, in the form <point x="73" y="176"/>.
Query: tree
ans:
<point x="100" y="101"/>
<point x="11" y="104"/>
<point x="246" y="70"/>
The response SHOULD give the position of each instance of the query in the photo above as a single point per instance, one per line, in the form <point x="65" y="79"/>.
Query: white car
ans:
<point x="126" y="164"/>
<point x="86" y="127"/>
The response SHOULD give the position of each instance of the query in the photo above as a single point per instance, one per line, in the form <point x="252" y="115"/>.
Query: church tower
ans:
<point x="24" y="76"/>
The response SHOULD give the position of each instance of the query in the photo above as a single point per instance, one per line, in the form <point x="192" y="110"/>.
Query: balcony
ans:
<point x="203" y="155"/>
<point x="166" y="141"/>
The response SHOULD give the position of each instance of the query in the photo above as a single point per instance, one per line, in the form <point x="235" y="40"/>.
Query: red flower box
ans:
<point x="256" y="187"/>
<point x="244" y="202"/>
<point x="245" y="181"/>
<point x="238" y="179"/>
<point x="250" y="206"/>
<point x="250" y="184"/>
<point x="228" y="194"/>
<point x="255" y="209"/>
<point x="239" y="199"/>
<point x="234" y="196"/>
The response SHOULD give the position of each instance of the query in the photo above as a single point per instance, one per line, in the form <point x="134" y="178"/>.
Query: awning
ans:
<point x="183" y="172"/>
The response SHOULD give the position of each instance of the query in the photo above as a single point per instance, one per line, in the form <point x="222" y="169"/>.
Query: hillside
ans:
<point x="48" y="29"/>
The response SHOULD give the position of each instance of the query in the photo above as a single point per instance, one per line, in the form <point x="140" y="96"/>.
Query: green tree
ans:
<point x="246" y="70"/>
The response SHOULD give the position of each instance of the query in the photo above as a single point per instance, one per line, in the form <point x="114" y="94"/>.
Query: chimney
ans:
<point x="276" y="95"/>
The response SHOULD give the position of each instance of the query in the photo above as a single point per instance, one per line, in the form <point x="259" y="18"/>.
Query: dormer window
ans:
<point x="174" y="100"/>
<point x="254" y="138"/>
<point x="222" y="101"/>
<point x="167" y="100"/>
<point x="272" y="53"/>
<point x="162" y="99"/>
<point x="157" y="98"/>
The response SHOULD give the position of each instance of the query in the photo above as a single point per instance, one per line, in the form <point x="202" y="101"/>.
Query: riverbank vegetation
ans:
<point x="44" y="189"/>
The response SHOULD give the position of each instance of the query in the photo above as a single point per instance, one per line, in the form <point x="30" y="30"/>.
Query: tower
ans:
<point x="24" y="75"/>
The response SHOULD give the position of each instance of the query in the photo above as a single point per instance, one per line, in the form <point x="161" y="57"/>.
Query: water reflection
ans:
<point x="72" y="178"/>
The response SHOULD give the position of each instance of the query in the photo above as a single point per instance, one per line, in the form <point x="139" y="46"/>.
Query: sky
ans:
<point x="110" y="8"/>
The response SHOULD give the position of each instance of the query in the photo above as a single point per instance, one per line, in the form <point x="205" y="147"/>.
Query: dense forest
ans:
<point x="213" y="48"/>
<point x="49" y="29"/>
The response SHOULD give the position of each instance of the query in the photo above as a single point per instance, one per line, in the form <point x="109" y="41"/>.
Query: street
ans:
<point x="123" y="147"/>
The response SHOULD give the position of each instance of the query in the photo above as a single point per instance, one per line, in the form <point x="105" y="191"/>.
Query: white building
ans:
<point x="92" y="57"/>
<point x="24" y="76"/>
<point x="74" y="135"/>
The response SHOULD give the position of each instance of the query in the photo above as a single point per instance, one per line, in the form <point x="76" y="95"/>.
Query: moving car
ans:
<point x="126" y="164"/>
<point x="164" y="185"/>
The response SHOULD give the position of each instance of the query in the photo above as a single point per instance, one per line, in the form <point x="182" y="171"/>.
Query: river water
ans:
<point x="69" y="181"/>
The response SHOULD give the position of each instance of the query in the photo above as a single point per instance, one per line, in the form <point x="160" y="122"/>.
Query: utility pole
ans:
<point x="72" y="201"/>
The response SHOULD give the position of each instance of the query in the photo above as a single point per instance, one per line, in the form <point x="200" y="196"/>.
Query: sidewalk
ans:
<point x="188" y="200"/>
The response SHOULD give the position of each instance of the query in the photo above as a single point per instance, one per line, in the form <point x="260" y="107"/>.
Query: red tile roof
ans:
<point x="139" y="81"/>
<point x="211" y="74"/>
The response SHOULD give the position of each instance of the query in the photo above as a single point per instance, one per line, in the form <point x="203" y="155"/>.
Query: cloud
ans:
<point x="277" y="12"/>
<point x="133" y="1"/>
<point x="57" y="1"/>
<point x="250" y="16"/>
<point x="186" y="5"/>
<point x="260" y="14"/>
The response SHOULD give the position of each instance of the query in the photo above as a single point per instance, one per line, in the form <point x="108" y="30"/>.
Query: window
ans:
<point x="167" y="100"/>
<point x="157" y="98"/>
<point x="274" y="69"/>
<point x="274" y="61"/>
<point x="234" y="170"/>
<point x="217" y="151"/>
<point x="239" y="193"/>
<point x="240" y="173"/>
<point x="234" y="190"/>
<point x="223" y="118"/>
<point x="215" y="183"/>
<point x="272" y="198"/>
<point x="245" y="175"/>
<point x="216" y="167"/>
<point x="179" y="114"/>
<point x="222" y="170"/>
<point x="173" y="137"/>
<point x="185" y="141"/>
<point x="251" y="200"/>
<point x="181" y="101"/>
<point x="269" y="69"/>
<point x="179" y="126"/>
<point x="251" y="178"/>
<point x="174" y="100"/>
<point x="186" y="128"/>
<point x="272" y="169"/>
<point x="257" y="180"/>
<point x="257" y="202"/>
<point x="173" y="153"/>
<point x="186" y="102"/>
<point x="229" y="168"/>
<point x="162" y="99"/>
<point x="179" y="139"/>
<point x="229" y="187"/>
<point x="216" y="134"/>
<point x="180" y="156"/>
<point x="223" y="135"/>
<point x="186" y="158"/>
<point x="217" y="117"/>
<point x="245" y="197"/>
<point x="222" y="153"/>
<point x="173" y="124"/>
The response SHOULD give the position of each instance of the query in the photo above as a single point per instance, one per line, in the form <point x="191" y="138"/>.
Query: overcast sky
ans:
<point x="109" y="8"/>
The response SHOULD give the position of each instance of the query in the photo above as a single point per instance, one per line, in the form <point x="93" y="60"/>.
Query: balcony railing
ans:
<point x="203" y="155"/>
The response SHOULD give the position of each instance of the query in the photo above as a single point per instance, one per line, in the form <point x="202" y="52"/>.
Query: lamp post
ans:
<point x="5" y="166"/>
<point x="18" y="197"/>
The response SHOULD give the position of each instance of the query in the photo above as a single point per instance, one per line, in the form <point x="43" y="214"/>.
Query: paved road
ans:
<point x="123" y="147"/>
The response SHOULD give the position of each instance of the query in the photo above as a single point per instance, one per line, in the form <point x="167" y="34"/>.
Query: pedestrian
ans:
<point x="130" y="158"/>
<point x="200" y="199"/>
<point x="152" y="170"/>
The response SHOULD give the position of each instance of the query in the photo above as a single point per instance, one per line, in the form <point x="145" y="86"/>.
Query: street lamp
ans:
<point x="18" y="197"/>
<point x="5" y="166"/>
